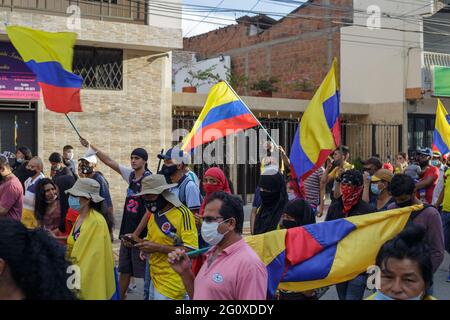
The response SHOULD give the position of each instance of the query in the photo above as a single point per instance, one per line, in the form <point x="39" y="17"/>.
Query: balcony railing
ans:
<point x="431" y="59"/>
<point x="132" y="11"/>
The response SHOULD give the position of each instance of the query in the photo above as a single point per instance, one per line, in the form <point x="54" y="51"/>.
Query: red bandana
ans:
<point x="350" y="196"/>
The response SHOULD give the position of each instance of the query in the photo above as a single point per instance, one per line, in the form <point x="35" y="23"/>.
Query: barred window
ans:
<point x="100" y="68"/>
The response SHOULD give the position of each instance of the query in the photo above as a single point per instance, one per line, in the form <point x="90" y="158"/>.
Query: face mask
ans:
<point x="87" y="169"/>
<point x="375" y="190"/>
<point x="291" y="196"/>
<point x="168" y="171"/>
<point x="381" y="296"/>
<point x="31" y="173"/>
<point x="288" y="224"/>
<point x="269" y="197"/>
<point x="210" y="188"/>
<point x="74" y="203"/>
<point x="53" y="200"/>
<point x="19" y="160"/>
<point x="210" y="233"/>
<point x="403" y="204"/>
<point x="435" y="163"/>
<point x="157" y="205"/>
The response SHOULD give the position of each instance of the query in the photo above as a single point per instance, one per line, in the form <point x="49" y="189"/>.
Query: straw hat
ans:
<point x="157" y="184"/>
<point x="87" y="188"/>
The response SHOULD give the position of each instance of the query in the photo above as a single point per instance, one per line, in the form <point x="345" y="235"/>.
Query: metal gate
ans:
<point x="364" y="141"/>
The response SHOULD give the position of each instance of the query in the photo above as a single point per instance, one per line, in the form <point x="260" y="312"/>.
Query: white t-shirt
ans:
<point x="30" y="192"/>
<point x="125" y="172"/>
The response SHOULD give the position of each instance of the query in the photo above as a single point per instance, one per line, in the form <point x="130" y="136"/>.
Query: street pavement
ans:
<point x="441" y="288"/>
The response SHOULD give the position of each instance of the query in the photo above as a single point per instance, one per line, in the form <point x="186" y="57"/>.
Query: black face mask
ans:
<point x="269" y="197"/>
<point x="403" y="204"/>
<point x="288" y="224"/>
<point x="31" y="173"/>
<point x="156" y="205"/>
<point x="87" y="169"/>
<point x="168" y="171"/>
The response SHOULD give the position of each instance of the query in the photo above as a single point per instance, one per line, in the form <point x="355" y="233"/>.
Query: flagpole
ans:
<point x="259" y="123"/>
<point x="73" y="126"/>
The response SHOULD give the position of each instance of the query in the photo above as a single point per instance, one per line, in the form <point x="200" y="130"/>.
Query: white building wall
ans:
<point x="377" y="64"/>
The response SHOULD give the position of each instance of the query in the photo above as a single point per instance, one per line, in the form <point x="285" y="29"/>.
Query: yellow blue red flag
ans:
<point x="49" y="56"/>
<point x="224" y="113"/>
<point x="323" y="254"/>
<point x="441" y="136"/>
<point x="92" y="253"/>
<point x="319" y="131"/>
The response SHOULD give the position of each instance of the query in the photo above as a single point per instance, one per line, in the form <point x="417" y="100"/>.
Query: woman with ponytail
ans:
<point x="405" y="266"/>
<point x="32" y="265"/>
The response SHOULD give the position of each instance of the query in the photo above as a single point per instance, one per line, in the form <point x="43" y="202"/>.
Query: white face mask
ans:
<point x="291" y="196"/>
<point x="210" y="233"/>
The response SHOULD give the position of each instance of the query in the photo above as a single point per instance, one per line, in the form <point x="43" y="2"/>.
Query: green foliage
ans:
<point x="236" y="81"/>
<point x="265" y="85"/>
<point x="302" y="85"/>
<point x="201" y="77"/>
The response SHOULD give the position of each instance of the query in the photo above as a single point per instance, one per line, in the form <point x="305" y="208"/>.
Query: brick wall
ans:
<point x="117" y="121"/>
<point x="293" y="50"/>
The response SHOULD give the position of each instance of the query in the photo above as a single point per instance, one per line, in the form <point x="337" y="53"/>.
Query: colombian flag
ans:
<point x="49" y="55"/>
<point x="224" y="113"/>
<point x="441" y="136"/>
<point x="319" y="131"/>
<point x="327" y="253"/>
<point x="93" y="254"/>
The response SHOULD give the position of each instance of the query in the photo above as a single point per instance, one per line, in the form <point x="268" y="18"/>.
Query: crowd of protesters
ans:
<point x="184" y="235"/>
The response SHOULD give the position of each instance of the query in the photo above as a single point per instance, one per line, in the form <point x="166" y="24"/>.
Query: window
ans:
<point x="100" y="68"/>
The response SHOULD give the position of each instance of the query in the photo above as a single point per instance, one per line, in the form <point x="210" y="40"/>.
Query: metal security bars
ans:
<point x="100" y="68"/>
<point x="431" y="59"/>
<point x="132" y="11"/>
<point x="364" y="140"/>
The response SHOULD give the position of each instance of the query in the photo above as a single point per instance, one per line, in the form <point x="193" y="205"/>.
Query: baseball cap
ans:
<point x="437" y="154"/>
<point x="91" y="159"/>
<point x="374" y="161"/>
<point x="382" y="175"/>
<point x="176" y="154"/>
<point x="426" y="152"/>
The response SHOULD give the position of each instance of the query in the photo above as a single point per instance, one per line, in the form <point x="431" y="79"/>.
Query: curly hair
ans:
<point x="37" y="262"/>
<point x="40" y="205"/>
<point x="353" y="176"/>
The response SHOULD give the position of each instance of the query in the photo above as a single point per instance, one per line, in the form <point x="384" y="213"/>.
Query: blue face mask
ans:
<point x="374" y="188"/>
<point x="74" y="203"/>
<point x="435" y="163"/>
<point x="381" y="296"/>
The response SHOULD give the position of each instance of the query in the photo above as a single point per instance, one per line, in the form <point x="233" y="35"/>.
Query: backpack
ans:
<point x="414" y="215"/>
<point x="182" y="190"/>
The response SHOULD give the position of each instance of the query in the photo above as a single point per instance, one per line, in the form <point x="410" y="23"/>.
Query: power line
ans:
<point x="194" y="27"/>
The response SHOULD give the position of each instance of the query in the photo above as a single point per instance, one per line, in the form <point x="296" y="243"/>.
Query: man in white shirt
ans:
<point x="34" y="168"/>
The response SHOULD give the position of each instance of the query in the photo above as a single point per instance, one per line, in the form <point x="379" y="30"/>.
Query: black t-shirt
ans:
<point x="134" y="208"/>
<point x="335" y="211"/>
<point x="64" y="180"/>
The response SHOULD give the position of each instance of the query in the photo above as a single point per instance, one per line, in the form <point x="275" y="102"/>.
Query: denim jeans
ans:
<point x="155" y="295"/>
<point x="147" y="279"/>
<point x="353" y="289"/>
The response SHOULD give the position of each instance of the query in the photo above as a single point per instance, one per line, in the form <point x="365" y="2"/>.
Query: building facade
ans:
<point x="123" y="53"/>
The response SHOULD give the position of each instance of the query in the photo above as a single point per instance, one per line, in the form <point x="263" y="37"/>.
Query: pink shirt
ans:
<point x="11" y="198"/>
<point x="236" y="274"/>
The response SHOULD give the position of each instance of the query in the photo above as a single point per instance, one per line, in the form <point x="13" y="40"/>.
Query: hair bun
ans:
<point x="412" y="235"/>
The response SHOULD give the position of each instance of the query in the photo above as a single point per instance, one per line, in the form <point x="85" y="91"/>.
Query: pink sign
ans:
<point x="16" y="80"/>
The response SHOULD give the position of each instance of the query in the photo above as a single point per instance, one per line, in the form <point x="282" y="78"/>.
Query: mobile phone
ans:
<point x="128" y="239"/>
